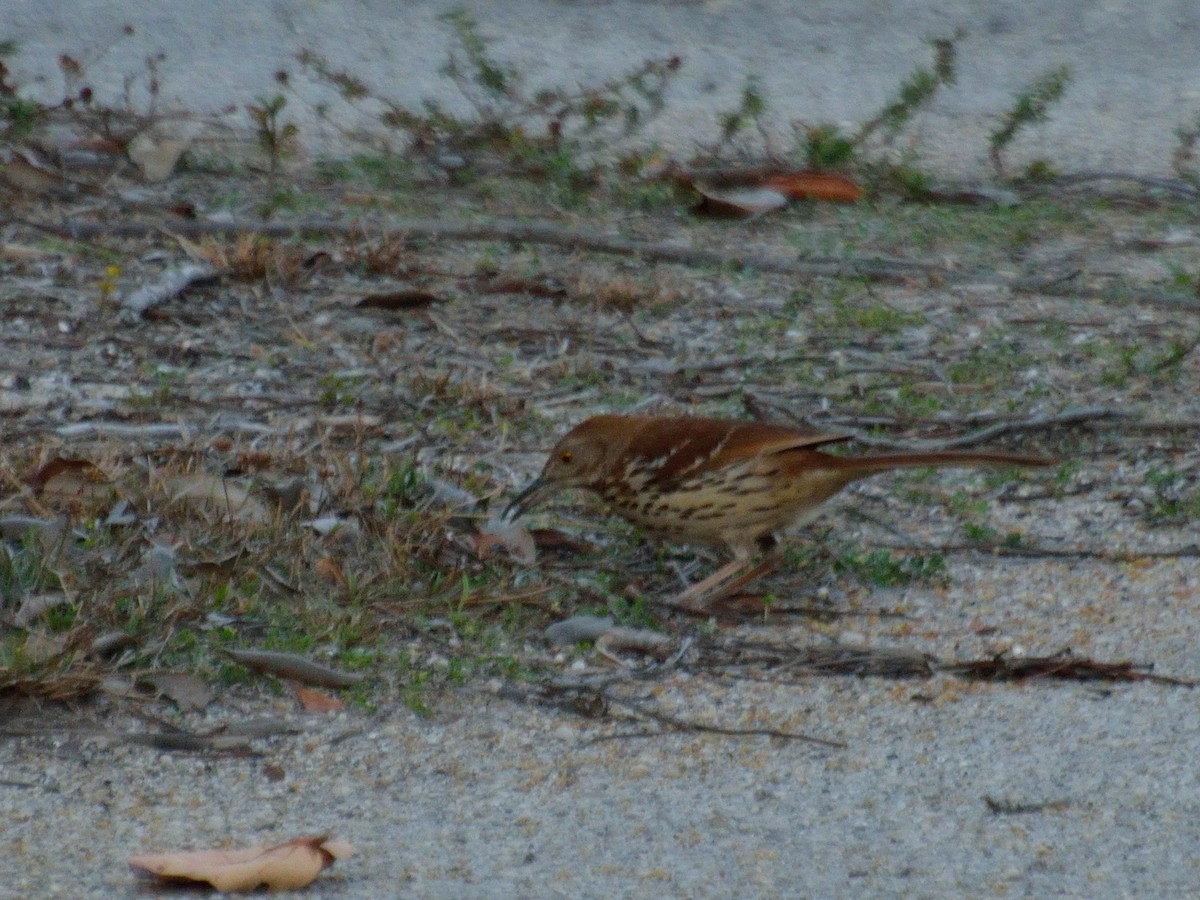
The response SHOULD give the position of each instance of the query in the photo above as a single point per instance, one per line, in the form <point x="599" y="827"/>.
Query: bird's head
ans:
<point x="581" y="459"/>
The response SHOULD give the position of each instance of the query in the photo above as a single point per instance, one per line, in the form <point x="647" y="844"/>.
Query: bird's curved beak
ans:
<point x="518" y="504"/>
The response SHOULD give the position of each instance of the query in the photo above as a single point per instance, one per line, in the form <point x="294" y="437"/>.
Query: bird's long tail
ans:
<point x="867" y="465"/>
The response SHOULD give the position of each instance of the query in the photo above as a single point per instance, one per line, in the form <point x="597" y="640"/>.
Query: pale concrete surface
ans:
<point x="1135" y="65"/>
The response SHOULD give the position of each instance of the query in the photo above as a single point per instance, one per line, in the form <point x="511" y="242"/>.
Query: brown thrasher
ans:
<point x="729" y="483"/>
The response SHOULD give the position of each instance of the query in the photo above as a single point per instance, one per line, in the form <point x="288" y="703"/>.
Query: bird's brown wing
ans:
<point x="684" y="448"/>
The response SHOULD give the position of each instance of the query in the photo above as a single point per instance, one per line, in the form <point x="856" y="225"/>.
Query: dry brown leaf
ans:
<point x="71" y="481"/>
<point x="756" y="191"/>
<point x="257" y="460"/>
<point x="289" y="866"/>
<point x="387" y="341"/>
<point x="551" y="540"/>
<point x="112" y="642"/>
<point x="202" y="252"/>
<point x="26" y="171"/>
<point x="398" y="301"/>
<point x="516" y="540"/>
<point x="543" y="286"/>
<point x="327" y="569"/>
<point x="28" y="175"/>
<point x="738" y="202"/>
<point x="167" y="286"/>
<point x="185" y="690"/>
<point x="315" y="701"/>
<point x="157" y="149"/>
<point x="815" y="186"/>
<point x="214" y="494"/>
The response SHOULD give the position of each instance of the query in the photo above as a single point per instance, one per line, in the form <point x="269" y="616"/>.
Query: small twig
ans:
<point x="685" y="725"/>
<point x="594" y="701"/>
<point x="1062" y="665"/>
<point x="1013" y="808"/>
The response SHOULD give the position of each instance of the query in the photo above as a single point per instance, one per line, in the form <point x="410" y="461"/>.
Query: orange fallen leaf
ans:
<point x="815" y="186"/>
<point x="314" y="701"/>
<point x="283" y="867"/>
<point x="752" y="192"/>
<point x="327" y="569"/>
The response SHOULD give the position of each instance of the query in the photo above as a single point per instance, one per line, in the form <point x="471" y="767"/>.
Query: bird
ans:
<point x="729" y="483"/>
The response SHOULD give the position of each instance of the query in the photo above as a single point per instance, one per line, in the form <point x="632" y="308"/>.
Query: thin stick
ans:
<point x="684" y="725"/>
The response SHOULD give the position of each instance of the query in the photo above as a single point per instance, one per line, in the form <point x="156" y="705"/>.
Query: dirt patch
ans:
<point x="287" y="368"/>
<point x="294" y="446"/>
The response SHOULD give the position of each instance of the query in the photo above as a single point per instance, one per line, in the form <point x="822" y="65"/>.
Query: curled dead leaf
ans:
<point x="185" y="690"/>
<point x="30" y="173"/>
<point x="387" y="341"/>
<point x="283" y="867"/>
<point x="71" y="480"/>
<point x="497" y="535"/>
<point x="157" y="149"/>
<point x="738" y="202"/>
<point x="327" y="569"/>
<point x="748" y="193"/>
<point x="541" y="286"/>
<point x="815" y="186"/>
<point x="213" y="494"/>
<point x="398" y="301"/>
<point x="315" y="701"/>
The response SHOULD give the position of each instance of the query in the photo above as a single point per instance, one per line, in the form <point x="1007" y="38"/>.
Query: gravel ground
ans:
<point x="1093" y="787"/>
<point x="946" y="788"/>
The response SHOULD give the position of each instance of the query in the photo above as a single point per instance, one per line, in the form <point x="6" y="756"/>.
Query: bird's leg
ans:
<point x="730" y="578"/>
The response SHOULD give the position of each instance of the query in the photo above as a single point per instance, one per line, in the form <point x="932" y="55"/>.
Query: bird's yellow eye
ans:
<point x="566" y="457"/>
